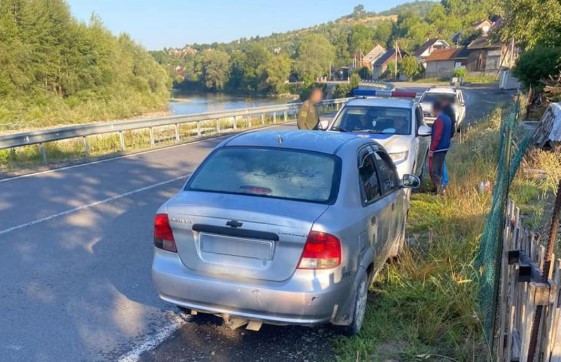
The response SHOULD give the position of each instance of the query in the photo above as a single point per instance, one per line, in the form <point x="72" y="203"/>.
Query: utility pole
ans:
<point x="395" y="60"/>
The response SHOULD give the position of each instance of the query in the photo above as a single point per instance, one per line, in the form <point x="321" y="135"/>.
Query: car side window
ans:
<point x="370" y="188"/>
<point x="386" y="172"/>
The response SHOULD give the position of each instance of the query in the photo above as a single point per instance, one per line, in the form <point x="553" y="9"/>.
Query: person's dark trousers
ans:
<point x="436" y="169"/>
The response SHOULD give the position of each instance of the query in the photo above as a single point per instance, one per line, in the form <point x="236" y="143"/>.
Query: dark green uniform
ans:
<point x="308" y="117"/>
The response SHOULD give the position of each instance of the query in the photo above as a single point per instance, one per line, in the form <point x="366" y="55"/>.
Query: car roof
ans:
<point x="382" y="102"/>
<point x="318" y="141"/>
<point x="442" y="90"/>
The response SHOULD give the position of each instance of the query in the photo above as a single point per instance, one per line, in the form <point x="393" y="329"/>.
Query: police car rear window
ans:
<point x="373" y="119"/>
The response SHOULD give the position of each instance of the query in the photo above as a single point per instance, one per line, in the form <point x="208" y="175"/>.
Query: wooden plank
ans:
<point x="503" y="296"/>
<point x="513" y="308"/>
<point x="555" y="330"/>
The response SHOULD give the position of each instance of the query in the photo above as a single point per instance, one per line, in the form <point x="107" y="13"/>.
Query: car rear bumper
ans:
<point x="307" y="298"/>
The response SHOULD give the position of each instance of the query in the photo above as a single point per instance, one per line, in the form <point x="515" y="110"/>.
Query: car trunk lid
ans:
<point x="239" y="236"/>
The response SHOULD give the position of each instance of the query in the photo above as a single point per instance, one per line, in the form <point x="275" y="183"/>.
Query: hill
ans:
<point x="263" y="64"/>
<point x="56" y="70"/>
<point x="421" y="8"/>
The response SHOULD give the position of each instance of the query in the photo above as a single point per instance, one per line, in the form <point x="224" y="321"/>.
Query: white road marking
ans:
<point x="70" y="211"/>
<point x="152" y="341"/>
<point x="137" y="153"/>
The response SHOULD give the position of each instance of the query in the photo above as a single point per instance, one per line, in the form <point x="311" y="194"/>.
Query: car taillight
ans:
<point x="322" y="251"/>
<point x="163" y="235"/>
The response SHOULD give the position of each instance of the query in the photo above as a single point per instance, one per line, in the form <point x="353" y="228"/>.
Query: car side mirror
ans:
<point x="410" y="182"/>
<point x="424" y="131"/>
<point x="323" y="124"/>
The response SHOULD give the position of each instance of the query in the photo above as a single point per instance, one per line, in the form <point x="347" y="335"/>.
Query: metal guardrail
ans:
<point x="377" y="84"/>
<point x="56" y="134"/>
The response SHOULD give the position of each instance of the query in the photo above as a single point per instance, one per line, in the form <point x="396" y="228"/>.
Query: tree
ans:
<point x="383" y="31"/>
<point x="314" y="56"/>
<point x="361" y="38"/>
<point x="365" y="73"/>
<point x="354" y="80"/>
<point x="277" y="71"/>
<point x="409" y="66"/>
<point x="391" y="69"/>
<point x="536" y="65"/>
<point x="215" y="69"/>
<point x="358" y="12"/>
<point x="532" y="22"/>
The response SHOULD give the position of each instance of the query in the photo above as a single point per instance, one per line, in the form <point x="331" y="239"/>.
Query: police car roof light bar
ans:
<point x="382" y="93"/>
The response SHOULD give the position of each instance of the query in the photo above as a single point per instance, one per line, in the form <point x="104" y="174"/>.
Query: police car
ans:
<point x="455" y="96"/>
<point x="392" y="118"/>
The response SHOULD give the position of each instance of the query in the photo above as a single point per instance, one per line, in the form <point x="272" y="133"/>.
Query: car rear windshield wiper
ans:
<point x="339" y="129"/>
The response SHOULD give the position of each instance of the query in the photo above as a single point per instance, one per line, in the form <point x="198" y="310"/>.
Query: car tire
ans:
<point x="359" y="308"/>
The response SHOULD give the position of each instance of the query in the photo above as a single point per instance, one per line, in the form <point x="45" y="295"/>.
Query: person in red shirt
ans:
<point x="440" y="143"/>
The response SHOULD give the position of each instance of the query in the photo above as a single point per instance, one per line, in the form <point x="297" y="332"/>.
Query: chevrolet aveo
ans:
<point x="282" y="227"/>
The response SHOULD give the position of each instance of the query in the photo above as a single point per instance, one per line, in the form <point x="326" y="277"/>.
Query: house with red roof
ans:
<point x="442" y="62"/>
<point x="426" y="49"/>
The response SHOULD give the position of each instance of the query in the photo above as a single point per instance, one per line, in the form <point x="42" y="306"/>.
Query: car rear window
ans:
<point x="269" y="172"/>
<point x="433" y="97"/>
<point x="374" y="119"/>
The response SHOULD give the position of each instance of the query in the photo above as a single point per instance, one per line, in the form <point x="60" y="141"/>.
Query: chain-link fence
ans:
<point x="511" y="150"/>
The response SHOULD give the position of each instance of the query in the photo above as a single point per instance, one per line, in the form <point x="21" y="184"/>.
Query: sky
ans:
<point x="174" y="23"/>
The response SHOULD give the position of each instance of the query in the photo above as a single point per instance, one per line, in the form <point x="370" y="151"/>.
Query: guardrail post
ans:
<point x="152" y="137"/>
<point x="198" y="129"/>
<point x="177" y="137"/>
<point x="286" y="116"/>
<point x="122" y="141"/>
<point x="86" y="147"/>
<point x="249" y="122"/>
<point x="263" y="118"/>
<point x="43" y="153"/>
<point x="217" y="125"/>
<point x="274" y="117"/>
<point x="235" y="122"/>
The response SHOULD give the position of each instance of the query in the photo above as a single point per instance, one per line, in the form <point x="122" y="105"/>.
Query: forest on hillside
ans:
<point x="262" y="64"/>
<point x="57" y="70"/>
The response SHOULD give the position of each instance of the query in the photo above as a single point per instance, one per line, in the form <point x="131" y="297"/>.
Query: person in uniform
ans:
<point x="308" y="117"/>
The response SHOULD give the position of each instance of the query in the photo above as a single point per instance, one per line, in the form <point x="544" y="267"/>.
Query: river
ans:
<point x="200" y="103"/>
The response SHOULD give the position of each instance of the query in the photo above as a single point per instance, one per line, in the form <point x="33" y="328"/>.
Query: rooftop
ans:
<point x="443" y="54"/>
<point x="384" y="58"/>
<point x="483" y="42"/>
<point x="427" y="45"/>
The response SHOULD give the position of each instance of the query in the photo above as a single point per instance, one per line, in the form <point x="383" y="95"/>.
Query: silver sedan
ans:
<point x="282" y="227"/>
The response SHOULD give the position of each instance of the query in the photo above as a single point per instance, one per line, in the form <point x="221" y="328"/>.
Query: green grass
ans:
<point x="425" y="303"/>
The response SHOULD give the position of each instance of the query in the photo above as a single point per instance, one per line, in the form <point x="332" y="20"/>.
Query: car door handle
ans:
<point x="373" y="221"/>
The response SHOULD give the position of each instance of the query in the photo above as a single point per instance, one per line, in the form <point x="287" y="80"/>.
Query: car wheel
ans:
<point x="359" y="308"/>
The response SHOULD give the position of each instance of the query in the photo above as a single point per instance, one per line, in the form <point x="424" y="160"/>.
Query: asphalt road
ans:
<point x="75" y="266"/>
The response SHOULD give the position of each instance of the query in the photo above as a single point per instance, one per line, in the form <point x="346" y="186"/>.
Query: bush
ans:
<point x="354" y="80"/>
<point x="536" y="65"/>
<point x="409" y="66"/>
<point x="460" y="72"/>
<point x="342" y="91"/>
